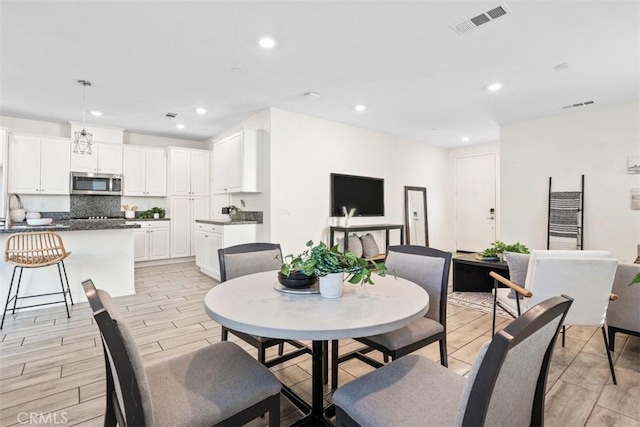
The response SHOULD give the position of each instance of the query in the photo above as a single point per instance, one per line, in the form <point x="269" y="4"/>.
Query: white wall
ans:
<point x="591" y="141"/>
<point x="305" y="150"/>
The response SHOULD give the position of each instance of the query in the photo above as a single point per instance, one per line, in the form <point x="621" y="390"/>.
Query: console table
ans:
<point x="374" y="227"/>
<point x="472" y="275"/>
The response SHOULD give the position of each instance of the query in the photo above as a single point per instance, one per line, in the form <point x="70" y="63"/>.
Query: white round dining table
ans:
<point x="252" y="305"/>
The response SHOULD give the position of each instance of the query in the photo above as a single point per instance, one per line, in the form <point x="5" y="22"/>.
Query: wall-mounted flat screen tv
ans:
<point x="363" y="193"/>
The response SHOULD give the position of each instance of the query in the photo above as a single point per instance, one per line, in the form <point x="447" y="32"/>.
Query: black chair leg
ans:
<point x="6" y="306"/>
<point x="224" y="335"/>
<point x="67" y="280"/>
<point x="444" y="361"/>
<point x="64" y="293"/>
<point x="564" y="332"/>
<point x="334" y="364"/>
<point x="495" y="302"/>
<point x="280" y="349"/>
<point x="15" y="300"/>
<point x="606" y="346"/>
<point x="385" y="357"/>
<point x="612" y="339"/>
<point x="262" y="358"/>
<point x="325" y="362"/>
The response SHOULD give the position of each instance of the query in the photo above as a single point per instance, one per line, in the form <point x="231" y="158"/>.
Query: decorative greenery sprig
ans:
<point x="635" y="280"/>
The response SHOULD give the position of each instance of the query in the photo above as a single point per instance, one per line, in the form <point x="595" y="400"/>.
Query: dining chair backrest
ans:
<point x="535" y="254"/>
<point x="250" y="258"/>
<point x="427" y="267"/>
<point x="624" y="313"/>
<point x="507" y="382"/>
<point x="127" y="381"/>
<point x="586" y="276"/>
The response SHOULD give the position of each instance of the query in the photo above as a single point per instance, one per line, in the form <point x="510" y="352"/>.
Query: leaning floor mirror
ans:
<point x="415" y="211"/>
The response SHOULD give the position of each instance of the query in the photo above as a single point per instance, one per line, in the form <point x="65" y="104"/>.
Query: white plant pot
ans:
<point x="331" y="285"/>
<point x="129" y="214"/>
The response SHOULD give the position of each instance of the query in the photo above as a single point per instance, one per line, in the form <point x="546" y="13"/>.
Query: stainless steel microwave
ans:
<point x="97" y="184"/>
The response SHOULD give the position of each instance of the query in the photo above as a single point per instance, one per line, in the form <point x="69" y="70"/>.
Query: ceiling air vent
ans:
<point x="171" y="115"/>
<point x="579" y="104"/>
<point x="474" y="21"/>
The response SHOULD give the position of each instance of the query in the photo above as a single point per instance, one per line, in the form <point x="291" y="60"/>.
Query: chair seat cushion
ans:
<point x="417" y="331"/>
<point x="206" y="386"/>
<point x="410" y="391"/>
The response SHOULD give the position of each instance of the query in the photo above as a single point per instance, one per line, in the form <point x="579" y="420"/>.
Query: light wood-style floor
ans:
<point x="54" y="366"/>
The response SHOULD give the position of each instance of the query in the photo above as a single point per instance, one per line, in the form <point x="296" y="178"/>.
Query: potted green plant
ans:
<point x="331" y="265"/>
<point x="497" y="248"/>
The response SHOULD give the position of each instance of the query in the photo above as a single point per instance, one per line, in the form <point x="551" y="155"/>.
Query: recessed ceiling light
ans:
<point x="494" y="86"/>
<point x="201" y="110"/>
<point x="465" y="139"/>
<point x="96" y="113"/>
<point x="562" y="66"/>
<point x="312" y="94"/>
<point x="235" y="69"/>
<point x="180" y="126"/>
<point x="360" y="108"/>
<point x="267" y="42"/>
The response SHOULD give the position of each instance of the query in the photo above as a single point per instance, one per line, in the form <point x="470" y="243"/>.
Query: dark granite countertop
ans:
<point x="71" y="225"/>
<point x="214" y="222"/>
<point x="147" y="219"/>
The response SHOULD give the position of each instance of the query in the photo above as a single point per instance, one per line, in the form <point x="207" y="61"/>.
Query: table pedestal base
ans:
<point x="316" y="416"/>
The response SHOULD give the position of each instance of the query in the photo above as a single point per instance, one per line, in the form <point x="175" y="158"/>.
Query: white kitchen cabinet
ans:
<point x="104" y="158"/>
<point x="152" y="240"/>
<point x="38" y="165"/>
<point x="184" y="211"/>
<point x="211" y="237"/>
<point x="189" y="172"/>
<point x="237" y="163"/>
<point x="144" y="172"/>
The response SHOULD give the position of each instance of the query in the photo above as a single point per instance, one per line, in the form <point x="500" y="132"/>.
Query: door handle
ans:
<point x="490" y="217"/>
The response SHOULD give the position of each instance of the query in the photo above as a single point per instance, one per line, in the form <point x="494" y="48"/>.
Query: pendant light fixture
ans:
<point x="82" y="142"/>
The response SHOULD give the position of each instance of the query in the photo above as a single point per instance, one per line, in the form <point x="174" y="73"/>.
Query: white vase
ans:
<point x="331" y="285"/>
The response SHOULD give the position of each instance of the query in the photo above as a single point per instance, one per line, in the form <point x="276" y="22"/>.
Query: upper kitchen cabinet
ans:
<point x="237" y="163"/>
<point x="104" y="158"/>
<point x="38" y="165"/>
<point x="189" y="172"/>
<point x="145" y="172"/>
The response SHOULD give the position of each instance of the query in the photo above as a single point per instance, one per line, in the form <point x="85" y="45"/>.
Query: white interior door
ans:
<point x="475" y="202"/>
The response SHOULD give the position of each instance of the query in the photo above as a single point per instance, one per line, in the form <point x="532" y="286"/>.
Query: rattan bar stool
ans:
<point x="35" y="250"/>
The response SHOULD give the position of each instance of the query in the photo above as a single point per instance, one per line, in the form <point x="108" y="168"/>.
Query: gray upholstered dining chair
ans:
<point x="250" y="258"/>
<point x="429" y="268"/>
<point x="623" y="313"/>
<point x="506" y="385"/>
<point x="217" y="385"/>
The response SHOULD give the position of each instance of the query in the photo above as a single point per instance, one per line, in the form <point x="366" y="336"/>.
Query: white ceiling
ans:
<point x="418" y="78"/>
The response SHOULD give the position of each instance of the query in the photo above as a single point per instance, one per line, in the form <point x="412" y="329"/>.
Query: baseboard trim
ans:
<point x="165" y="261"/>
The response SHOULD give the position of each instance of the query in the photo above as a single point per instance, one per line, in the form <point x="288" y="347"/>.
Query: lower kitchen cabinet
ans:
<point x="152" y="240"/>
<point x="209" y="238"/>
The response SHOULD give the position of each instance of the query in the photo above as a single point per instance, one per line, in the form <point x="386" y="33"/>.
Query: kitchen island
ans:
<point x="100" y="250"/>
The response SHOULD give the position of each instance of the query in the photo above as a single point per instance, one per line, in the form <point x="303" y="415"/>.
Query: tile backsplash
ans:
<point x="82" y="206"/>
